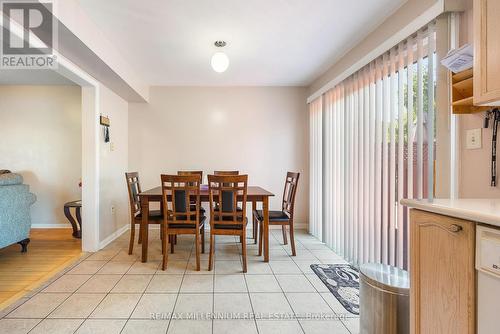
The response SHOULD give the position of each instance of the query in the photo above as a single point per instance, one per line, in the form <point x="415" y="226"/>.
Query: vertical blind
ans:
<point x="372" y="146"/>
<point x="315" y="168"/>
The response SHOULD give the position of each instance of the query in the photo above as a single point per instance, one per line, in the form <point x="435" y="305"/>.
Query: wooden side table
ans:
<point x="76" y="224"/>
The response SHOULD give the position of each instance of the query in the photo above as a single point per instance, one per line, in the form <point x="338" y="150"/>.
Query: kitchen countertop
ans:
<point x="485" y="211"/>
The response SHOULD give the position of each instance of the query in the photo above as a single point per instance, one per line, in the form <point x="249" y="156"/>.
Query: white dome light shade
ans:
<point x="219" y="62"/>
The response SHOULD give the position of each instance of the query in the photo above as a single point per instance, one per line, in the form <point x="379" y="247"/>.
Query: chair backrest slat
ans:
<point x="191" y="172"/>
<point x="179" y="193"/>
<point x="291" y="182"/>
<point x="227" y="194"/>
<point x="134" y="189"/>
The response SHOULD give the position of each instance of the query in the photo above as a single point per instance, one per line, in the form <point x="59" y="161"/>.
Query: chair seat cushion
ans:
<point x="153" y="215"/>
<point x="274" y="216"/>
<point x="217" y="208"/>
<point x="222" y="226"/>
<point x="172" y="224"/>
<point x="186" y="225"/>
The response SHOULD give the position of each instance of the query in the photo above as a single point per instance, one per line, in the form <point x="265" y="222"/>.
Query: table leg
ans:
<point x="144" y="227"/>
<point x="265" y="225"/>
<point x="79" y="220"/>
<point x="72" y="221"/>
<point x="254" y="222"/>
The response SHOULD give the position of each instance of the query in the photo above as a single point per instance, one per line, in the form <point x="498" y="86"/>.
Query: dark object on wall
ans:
<point x="106" y="134"/>
<point x="4" y="171"/>
<point x="104" y="121"/>
<point x="493" y="115"/>
<point x="77" y="225"/>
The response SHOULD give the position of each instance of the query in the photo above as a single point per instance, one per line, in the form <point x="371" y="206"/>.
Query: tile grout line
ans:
<point x="213" y="288"/>
<point x="41" y="291"/>
<point x="74" y="292"/>
<point x="185" y="272"/>
<point x="320" y="294"/>
<point x="138" y="301"/>
<point x="251" y="304"/>
<point x="178" y="292"/>
<point x="286" y="297"/>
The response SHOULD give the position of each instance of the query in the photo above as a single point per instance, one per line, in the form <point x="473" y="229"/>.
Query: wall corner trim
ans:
<point x="115" y="235"/>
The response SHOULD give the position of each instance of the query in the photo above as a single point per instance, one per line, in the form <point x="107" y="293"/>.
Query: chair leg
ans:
<point x="254" y="222"/>
<point x="132" y="239"/>
<point x="261" y="236"/>
<point x="140" y="237"/>
<point x="255" y="231"/>
<point x="292" y="239"/>
<point x="283" y="229"/>
<point x="244" y="250"/>
<point x="164" y="246"/>
<point x="172" y="243"/>
<point x="175" y="239"/>
<point x="162" y="233"/>
<point x="197" y="248"/>
<point x="203" y="239"/>
<point x="211" y="255"/>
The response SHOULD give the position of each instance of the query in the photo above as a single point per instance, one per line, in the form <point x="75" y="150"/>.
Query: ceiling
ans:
<point x="32" y="77"/>
<point x="270" y="42"/>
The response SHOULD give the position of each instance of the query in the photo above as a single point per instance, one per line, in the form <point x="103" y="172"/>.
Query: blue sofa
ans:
<point x="15" y="202"/>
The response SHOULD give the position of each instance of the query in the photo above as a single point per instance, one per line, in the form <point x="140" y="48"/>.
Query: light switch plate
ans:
<point x="474" y="139"/>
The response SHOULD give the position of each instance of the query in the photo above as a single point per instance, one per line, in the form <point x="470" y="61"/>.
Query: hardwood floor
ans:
<point x="49" y="251"/>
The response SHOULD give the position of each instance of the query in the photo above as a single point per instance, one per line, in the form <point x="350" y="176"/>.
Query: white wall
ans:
<point x="262" y="131"/>
<point x="113" y="163"/>
<point x="40" y="129"/>
<point x="408" y="12"/>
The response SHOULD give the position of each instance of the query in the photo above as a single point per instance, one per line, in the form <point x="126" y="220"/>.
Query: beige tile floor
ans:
<point x="113" y="292"/>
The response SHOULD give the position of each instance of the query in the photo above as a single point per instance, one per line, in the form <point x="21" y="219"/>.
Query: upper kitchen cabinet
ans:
<point x="486" y="52"/>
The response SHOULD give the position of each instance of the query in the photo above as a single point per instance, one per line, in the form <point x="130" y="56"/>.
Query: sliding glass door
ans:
<point x="377" y="146"/>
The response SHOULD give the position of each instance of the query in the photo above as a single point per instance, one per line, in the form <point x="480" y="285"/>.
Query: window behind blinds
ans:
<point x="377" y="146"/>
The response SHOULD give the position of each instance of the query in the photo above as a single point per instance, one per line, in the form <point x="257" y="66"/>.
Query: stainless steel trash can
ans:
<point x="384" y="300"/>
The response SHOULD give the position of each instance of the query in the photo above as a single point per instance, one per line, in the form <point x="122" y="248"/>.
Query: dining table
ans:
<point x="255" y="195"/>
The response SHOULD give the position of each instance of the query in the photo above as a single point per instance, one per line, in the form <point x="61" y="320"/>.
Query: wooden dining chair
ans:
<point x="155" y="216"/>
<point x="283" y="217"/>
<point x="193" y="172"/>
<point x="254" y="222"/>
<point x="180" y="217"/>
<point x="225" y="193"/>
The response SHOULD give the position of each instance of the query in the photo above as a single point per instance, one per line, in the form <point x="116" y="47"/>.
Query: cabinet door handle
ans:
<point x="455" y="228"/>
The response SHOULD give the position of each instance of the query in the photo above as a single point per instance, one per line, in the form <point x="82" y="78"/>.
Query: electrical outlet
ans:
<point x="113" y="210"/>
<point x="474" y="139"/>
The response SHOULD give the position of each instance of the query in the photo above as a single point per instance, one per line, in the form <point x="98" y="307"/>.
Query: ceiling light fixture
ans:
<point x="220" y="61"/>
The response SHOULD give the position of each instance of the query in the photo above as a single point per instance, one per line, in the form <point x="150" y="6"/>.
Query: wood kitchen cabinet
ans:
<point x="486" y="52"/>
<point x="442" y="274"/>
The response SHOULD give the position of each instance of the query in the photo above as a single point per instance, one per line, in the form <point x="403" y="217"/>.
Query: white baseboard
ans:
<point x="51" y="226"/>
<point x="114" y="236"/>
